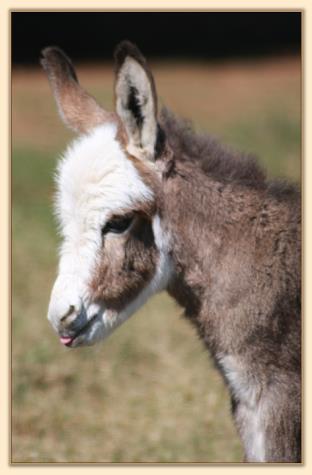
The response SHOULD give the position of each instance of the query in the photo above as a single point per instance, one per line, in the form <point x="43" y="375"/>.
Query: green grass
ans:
<point x="274" y="138"/>
<point x="150" y="393"/>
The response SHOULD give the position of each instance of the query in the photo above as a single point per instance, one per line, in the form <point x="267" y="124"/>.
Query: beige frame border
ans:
<point x="114" y="5"/>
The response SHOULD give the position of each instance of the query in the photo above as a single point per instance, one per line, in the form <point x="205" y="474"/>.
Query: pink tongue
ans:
<point x="65" y="340"/>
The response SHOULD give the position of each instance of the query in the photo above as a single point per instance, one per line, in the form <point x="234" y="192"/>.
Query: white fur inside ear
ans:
<point x="135" y="104"/>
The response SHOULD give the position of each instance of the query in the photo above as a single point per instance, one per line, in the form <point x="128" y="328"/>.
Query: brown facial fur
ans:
<point x="125" y="266"/>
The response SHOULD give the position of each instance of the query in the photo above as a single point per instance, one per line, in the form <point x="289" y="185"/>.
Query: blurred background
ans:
<point x="150" y="393"/>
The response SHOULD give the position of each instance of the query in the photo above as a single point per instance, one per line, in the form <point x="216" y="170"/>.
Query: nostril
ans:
<point x="71" y="312"/>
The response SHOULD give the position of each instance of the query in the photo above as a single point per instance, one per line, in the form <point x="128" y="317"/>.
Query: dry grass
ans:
<point x="150" y="393"/>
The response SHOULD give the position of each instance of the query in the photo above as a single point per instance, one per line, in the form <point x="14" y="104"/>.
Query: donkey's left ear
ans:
<point x="136" y="100"/>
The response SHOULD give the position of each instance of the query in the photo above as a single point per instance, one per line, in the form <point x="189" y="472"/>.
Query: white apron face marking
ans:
<point x="95" y="180"/>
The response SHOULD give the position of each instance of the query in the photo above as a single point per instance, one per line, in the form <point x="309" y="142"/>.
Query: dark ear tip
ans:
<point x="52" y="53"/>
<point x="53" y="58"/>
<point x="125" y="49"/>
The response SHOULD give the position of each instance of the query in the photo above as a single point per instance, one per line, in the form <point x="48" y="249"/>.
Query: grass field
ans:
<point x="150" y="392"/>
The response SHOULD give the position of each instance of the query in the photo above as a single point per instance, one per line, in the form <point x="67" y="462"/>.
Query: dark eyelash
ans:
<point x="117" y="225"/>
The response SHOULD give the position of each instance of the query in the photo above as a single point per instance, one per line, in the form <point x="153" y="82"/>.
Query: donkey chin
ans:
<point x="82" y="323"/>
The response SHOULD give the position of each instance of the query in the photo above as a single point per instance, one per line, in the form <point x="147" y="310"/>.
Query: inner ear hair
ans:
<point x="136" y="100"/>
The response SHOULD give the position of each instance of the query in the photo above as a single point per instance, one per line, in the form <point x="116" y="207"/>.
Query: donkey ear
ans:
<point x="77" y="108"/>
<point x="136" y="100"/>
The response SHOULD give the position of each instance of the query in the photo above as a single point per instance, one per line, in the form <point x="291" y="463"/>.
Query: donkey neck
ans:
<point x="211" y="201"/>
<point x="205" y="219"/>
<point x="221" y="230"/>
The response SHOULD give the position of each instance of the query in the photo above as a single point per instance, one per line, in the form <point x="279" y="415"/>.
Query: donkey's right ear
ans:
<point x="136" y="101"/>
<point x="77" y="108"/>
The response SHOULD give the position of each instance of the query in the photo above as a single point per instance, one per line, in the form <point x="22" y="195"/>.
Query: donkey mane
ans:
<point x="219" y="161"/>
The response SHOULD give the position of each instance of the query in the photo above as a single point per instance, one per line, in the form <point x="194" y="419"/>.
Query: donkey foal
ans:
<point x="145" y="205"/>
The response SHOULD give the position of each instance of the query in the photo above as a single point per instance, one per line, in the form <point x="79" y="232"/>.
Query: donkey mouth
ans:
<point x="66" y="340"/>
<point x="69" y="340"/>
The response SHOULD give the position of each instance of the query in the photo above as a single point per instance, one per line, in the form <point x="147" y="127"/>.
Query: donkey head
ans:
<point x="113" y="254"/>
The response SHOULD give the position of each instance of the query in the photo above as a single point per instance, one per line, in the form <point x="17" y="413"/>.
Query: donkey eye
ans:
<point x="117" y="225"/>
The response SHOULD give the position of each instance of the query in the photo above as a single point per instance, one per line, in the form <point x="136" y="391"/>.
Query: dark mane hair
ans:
<point x="218" y="161"/>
